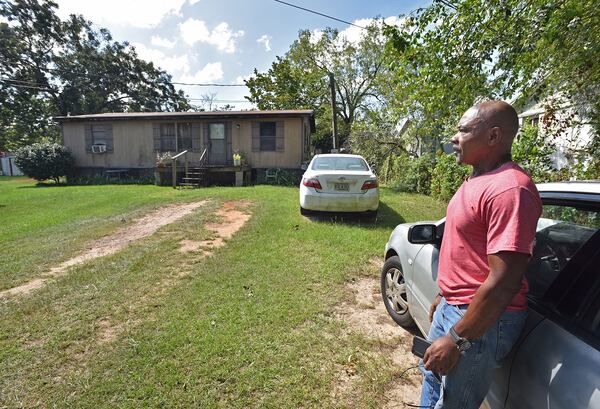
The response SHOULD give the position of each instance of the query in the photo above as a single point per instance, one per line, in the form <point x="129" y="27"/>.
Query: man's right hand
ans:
<point x="434" y="305"/>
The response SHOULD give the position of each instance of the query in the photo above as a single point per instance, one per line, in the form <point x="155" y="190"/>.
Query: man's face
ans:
<point x="469" y="143"/>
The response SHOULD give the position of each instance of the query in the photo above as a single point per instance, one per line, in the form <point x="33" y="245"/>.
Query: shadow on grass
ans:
<point x="386" y="217"/>
<point x="43" y="185"/>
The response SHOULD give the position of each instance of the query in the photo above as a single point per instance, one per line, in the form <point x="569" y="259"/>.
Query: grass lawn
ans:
<point x="250" y="326"/>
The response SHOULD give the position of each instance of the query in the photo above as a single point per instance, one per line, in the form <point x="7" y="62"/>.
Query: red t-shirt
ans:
<point x="494" y="212"/>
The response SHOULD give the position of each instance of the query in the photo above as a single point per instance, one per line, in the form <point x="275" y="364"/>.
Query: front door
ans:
<point x="217" y="153"/>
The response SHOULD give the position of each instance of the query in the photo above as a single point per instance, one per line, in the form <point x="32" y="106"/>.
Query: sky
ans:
<point x="223" y="41"/>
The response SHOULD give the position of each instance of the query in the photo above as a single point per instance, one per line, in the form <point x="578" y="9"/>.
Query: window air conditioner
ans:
<point x="99" y="148"/>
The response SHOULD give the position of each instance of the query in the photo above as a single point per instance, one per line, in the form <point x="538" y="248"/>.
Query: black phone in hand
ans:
<point x="419" y="346"/>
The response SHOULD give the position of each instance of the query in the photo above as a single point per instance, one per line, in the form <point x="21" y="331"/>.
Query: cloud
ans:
<point x="211" y="72"/>
<point x="195" y="31"/>
<point x="266" y="40"/>
<point x="162" y="42"/>
<point x="171" y="64"/>
<point x="192" y="2"/>
<point x="240" y="79"/>
<point x="137" y="13"/>
<point x="355" y="34"/>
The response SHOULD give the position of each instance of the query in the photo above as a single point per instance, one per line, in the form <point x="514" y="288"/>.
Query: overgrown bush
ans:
<point x="45" y="160"/>
<point x="532" y="151"/>
<point x="447" y="176"/>
<point x="408" y="174"/>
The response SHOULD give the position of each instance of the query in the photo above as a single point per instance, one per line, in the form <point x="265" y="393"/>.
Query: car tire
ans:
<point x="393" y="292"/>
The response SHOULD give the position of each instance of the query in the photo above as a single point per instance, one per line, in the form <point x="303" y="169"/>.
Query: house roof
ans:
<point x="188" y="116"/>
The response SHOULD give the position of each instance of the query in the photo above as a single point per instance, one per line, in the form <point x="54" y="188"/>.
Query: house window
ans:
<point x="168" y="142"/>
<point x="184" y="137"/>
<point x="99" y="134"/>
<point x="217" y="131"/>
<point x="167" y="138"/>
<point x="267" y="136"/>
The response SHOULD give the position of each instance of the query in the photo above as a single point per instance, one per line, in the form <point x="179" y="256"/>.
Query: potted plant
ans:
<point x="237" y="159"/>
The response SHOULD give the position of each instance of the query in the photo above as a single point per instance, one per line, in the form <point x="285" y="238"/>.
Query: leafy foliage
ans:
<point x="300" y="79"/>
<point x="53" y="67"/>
<point x="409" y="174"/>
<point x="452" y="54"/>
<point x="533" y="153"/>
<point x="447" y="176"/>
<point x="43" y="161"/>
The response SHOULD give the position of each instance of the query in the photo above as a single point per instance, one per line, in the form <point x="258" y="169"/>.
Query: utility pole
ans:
<point x="333" y="110"/>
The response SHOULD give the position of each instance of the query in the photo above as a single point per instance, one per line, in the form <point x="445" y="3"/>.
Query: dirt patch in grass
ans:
<point x="231" y="220"/>
<point x="366" y="314"/>
<point x="107" y="331"/>
<point x="141" y="228"/>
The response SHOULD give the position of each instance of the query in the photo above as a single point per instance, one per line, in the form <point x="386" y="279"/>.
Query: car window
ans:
<point x="590" y="316"/>
<point x="561" y="231"/>
<point x="339" y="163"/>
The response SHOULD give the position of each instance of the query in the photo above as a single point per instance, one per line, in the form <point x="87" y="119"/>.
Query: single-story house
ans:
<point x="133" y="141"/>
<point x="574" y="137"/>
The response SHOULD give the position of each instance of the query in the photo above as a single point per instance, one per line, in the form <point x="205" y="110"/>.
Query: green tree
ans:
<point x="454" y="53"/>
<point x="447" y="176"/>
<point x="300" y="79"/>
<point x="532" y="150"/>
<point x="53" y="67"/>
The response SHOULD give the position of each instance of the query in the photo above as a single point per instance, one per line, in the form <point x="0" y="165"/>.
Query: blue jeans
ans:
<point x="468" y="382"/>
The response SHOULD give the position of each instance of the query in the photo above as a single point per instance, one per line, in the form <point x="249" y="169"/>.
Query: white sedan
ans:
<point x="339" y="183"/>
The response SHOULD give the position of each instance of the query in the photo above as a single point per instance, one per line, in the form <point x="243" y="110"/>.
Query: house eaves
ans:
<point x="190" y="116"/>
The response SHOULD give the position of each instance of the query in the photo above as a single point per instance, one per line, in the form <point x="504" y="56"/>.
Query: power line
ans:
<point x="233" y="101"/>
<point x="320" y="14"/>
<point x="31" y="84"/>
<point x="25" y="86"/>
<point x="20" y="81"/>
<point x="219" y="100"/>
<point x="209" y="85"/>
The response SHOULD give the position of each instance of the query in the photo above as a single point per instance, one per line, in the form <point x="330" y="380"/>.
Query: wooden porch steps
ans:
<point x="195" y="178"/>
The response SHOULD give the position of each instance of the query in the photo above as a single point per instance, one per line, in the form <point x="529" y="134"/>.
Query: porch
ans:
<point x="181" y="172"/>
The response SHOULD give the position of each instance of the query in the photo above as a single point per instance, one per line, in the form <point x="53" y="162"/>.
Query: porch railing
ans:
<point x="174" y="164"/>
<point x="203" y="159"/>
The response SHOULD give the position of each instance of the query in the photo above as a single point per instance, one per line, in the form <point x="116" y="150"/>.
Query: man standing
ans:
<point x="488" y="238"/>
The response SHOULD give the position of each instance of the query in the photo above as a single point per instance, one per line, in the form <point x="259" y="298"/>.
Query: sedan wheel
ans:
<point x="393" y="291"/>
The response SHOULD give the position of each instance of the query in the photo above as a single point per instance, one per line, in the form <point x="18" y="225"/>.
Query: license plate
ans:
<point x="343" y="187"/>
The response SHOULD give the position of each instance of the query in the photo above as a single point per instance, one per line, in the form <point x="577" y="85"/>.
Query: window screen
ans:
<point x="184" y="139"/>
<point x="267" y="136"/>
<point x="167" y="138"/>
<point x="99" y="134"/>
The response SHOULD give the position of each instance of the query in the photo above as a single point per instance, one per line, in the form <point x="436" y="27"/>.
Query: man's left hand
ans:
<point x="441" y="356"/>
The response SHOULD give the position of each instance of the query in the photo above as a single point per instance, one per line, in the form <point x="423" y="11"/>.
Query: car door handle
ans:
<point x="410" y="261"/>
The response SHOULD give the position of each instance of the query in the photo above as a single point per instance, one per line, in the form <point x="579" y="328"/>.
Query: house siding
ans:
<point x="134" y="143"/>
<point x="291" y="157"/>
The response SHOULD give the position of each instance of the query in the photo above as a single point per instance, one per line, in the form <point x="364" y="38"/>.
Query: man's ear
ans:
<point x="495" y="136"/>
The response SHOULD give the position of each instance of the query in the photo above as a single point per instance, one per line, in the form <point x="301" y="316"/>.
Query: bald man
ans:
<point x="488" y="239"/>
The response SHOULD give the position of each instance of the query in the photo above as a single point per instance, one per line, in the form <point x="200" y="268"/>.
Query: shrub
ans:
<point x="532" y="151"/>
<point x="412" y="174"/>
<point x="45" y="160"/>
<point x="447" y="176"/>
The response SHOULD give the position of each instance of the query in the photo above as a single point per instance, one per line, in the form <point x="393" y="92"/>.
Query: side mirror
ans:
<point x="423" y="234"/>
